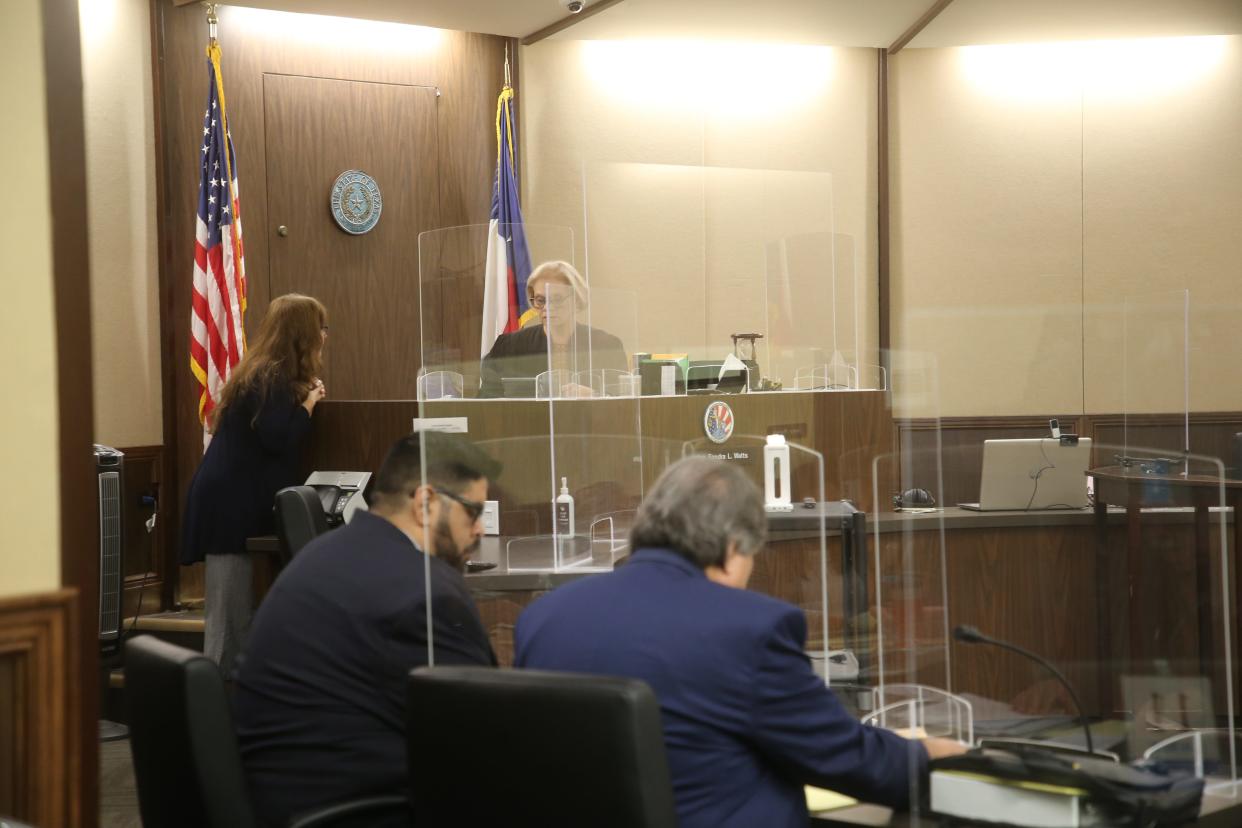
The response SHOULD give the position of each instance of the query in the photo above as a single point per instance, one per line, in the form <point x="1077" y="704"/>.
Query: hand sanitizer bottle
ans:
<point x="565" y="511"/>
<point x="776" y="496"/>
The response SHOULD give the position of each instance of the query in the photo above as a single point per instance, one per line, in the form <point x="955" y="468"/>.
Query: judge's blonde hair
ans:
<point x="561" y="273"/>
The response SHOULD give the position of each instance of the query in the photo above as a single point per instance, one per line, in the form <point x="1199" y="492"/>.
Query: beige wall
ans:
<point x="692" y="173"/>
<point x="1037" y="190"/>
<point x="120" y="169"/>
<point x="30" y="523"/>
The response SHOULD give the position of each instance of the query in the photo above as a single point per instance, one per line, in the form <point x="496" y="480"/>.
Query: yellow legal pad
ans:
<point x="818" y="799"/>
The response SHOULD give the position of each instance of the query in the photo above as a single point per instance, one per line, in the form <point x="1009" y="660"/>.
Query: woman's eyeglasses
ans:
<point x="539" y="301"/>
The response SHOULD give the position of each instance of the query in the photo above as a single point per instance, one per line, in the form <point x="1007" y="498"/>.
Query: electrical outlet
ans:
<point x="491" y="517"/>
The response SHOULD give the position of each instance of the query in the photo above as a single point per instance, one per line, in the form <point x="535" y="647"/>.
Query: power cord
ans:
<point x="152" y="501"/>
<point x="1035" y="475"/>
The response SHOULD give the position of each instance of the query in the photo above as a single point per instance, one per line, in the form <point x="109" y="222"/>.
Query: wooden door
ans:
<point x="315" y="129"/>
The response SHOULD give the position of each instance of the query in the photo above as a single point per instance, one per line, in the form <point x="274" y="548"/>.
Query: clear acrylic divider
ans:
<point x="1165" y="685"/>
<point x="720" y="252"/>
<point x="788" y="475"/>
<point x="905" y="618"/>
<point x="456" y="266"/>
<point x="440" y="385"/>
<point x="1156" y="372"/>
<point x="923" y="711"/>
<point x="815" y="337"/>
<point x="1121" y="604"/>
<point x="596" y="479"/>
<point x="910" y="616"/>
<point x="480" y="363"/>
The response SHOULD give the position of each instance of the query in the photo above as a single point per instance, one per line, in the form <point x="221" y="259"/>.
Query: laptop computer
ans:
<point x="1026" y="475"/>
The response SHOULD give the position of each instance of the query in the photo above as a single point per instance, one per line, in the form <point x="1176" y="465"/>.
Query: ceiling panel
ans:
<point x="970" y="22"/>
<point x="827" y="22"/>
<point x="872" y="23"/>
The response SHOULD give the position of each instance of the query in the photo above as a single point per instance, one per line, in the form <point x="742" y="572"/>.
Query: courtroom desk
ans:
<point x="1029" y="578"/>
<point x="1216" y="812"/>
<point x="1032" y="578"/>
<point x="617" y="446"/>
<point x="789" y="569"/>
<point x="1132" y="488"/>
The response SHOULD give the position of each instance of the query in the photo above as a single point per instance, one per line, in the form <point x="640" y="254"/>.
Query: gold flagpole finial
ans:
<point x="212" y="20"/>
<point x="508" y="82"/>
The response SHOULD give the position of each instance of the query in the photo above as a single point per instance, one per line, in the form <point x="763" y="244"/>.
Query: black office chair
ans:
<point x="527" y="747"/>
<point x="299" y="519"/>
<point x="186" y="759"/>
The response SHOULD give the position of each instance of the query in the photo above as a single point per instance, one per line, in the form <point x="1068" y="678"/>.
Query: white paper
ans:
<point x="668" y="380"/>
<point x="731" y="363"/>
<point x="453" y="425"/>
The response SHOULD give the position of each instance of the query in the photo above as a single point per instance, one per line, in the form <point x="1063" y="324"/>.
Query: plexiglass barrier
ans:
<point x="1156" y="371"/>
<point x="571" y="476"/>
<point x="760" y="280"/>
<point x="1115" y="575"/>
<point x="1167" y="630"/>
<point x="790" y="477"/>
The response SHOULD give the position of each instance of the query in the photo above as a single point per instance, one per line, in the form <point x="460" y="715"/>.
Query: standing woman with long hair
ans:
<point x="257" y="433"/>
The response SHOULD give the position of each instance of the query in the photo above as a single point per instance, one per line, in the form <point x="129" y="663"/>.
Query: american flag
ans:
<point x="508" y="257"/>
<point x="217" y="338"/>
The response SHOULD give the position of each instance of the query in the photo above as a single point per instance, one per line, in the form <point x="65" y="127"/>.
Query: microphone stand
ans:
<point x="971" y="635"/>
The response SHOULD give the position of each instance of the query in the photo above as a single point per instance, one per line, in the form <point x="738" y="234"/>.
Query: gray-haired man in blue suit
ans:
<point x="747" y="722"/>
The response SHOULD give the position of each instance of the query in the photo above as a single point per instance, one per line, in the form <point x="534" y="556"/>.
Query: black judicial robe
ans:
<point x="320" y="694"/>
<point x="524" y="353"/>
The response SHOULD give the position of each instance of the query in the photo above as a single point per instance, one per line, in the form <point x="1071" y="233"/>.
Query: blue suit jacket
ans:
<point x="746" y="721"/>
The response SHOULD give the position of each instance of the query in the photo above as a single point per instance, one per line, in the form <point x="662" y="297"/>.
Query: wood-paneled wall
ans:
<point x="465" y="70"/>
<point x="41" y="760"/>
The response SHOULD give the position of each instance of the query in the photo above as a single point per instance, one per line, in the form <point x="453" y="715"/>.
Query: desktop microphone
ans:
<point x="971" y="635"/>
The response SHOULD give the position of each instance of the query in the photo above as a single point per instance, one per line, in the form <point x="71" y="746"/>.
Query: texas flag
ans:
<point x="508" y="257"/>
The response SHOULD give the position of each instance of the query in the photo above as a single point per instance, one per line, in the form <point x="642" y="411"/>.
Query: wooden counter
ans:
<point x="615" y="447"/>
<point x="1029" y="578"/>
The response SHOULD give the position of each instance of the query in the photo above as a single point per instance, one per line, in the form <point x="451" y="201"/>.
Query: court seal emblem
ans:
<point x="356" y="202"/>
<point x="718" y="421"/>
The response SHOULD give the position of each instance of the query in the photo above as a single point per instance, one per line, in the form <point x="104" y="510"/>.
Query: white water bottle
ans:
<point x="564" y="506"/>
<point x="776" y="475"/>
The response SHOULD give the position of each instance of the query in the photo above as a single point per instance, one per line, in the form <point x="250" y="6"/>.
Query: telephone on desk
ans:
<point x="340" y="493"/>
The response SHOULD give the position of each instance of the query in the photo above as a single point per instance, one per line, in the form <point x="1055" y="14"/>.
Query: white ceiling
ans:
<point x="871" y="23"/>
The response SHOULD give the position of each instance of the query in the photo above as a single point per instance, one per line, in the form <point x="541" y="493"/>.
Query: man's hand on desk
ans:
<point x="936" y="748"/>
<point x="940" y="748"/>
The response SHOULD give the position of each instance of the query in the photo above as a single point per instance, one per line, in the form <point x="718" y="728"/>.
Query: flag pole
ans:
<point x="212" y="20"/>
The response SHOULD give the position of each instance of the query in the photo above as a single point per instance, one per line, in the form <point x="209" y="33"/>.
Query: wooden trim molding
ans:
<point x="564" y="23"/>
<point x="71" y="287"/>
<point x="918" y="26"/>
<point x="40" y="709"/>
<point x="170" y="506"/>
<point x="883" y="210"/>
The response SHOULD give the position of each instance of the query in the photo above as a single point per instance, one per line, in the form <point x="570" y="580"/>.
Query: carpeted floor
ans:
<point x="118" y="794"/>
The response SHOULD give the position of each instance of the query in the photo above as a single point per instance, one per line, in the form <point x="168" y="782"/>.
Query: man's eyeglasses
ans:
<point x="474" y="509"/>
